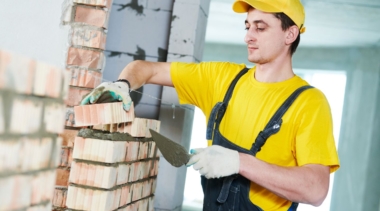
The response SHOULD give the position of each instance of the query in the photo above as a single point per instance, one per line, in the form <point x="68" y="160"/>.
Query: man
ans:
<point x="254" y="161"/>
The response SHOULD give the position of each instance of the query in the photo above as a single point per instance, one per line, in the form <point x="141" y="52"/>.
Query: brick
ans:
<point x="71" y="196"/>
<point x="99" y="3"/>
<point x="91" y="16"/>
<point x="17" y="72"/>
<point x="68" y="137"/>
<point x="25" y="116"/>
<point x="63" y="175"/>
<point x="41" y="79"/>
<point x="43" y="153"/>
<point x="99" y="176"/>
<point x="80" y="199"/>
<point x="76" y="95"/>
<point x="91" y="173"/>
<point x="82" y="77"/>
<point x="79" y="148"/>
<point x="6" y="192"/>
<point x="85" y="58"/>
<point x="116" y="198"/>
<point x="88" y="37"/>
<point x="48" y="191"/>
<point x="83" y="174"/>
<point x="30" y="148"/>
<point x="126" y="195"/>
<point x="54" y="82"/>
<point x="132" y="151"/>
<point x="37" y="182"/>
<point x="95" y="199"/>
<point x="106" y="113"/>
<point x="75" y="172"/>
<point x="137" y="128"/>
<point x="9" y="151"/>
<point x="109" y="177"/>
<point x="87" y="149"/>
<point x="123" y="173"/>
<point x="54" y="117"/>
<point x="87" y="201"/>
<point x="60" y="195"/>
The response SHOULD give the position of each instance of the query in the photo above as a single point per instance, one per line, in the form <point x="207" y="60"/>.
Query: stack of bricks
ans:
<point x="87" y="21"/>
<point x="32" y="113"/>
<point x="112" y="170"/>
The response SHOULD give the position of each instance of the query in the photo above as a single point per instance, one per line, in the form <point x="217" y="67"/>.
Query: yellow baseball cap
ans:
<point x="292" y="8"/>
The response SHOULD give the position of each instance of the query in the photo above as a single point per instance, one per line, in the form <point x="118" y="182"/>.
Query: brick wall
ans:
<point x="32" y="111"/>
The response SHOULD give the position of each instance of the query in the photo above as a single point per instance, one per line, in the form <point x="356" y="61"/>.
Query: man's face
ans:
<point x="265" y="38"/>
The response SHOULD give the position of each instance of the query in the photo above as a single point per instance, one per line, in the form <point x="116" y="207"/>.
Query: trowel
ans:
<point x="174" y="153"/>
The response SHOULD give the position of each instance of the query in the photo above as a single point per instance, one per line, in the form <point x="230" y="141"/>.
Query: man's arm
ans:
<point x="306" y="184"/>
<point x="139" y="73"/>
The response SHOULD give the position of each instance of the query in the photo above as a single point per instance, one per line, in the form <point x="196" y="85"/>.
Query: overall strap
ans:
<point x="220" y="108"/>
<point x="274" y="124"/>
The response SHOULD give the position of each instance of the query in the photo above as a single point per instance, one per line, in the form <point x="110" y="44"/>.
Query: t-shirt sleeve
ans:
<point x="314" y="140"/>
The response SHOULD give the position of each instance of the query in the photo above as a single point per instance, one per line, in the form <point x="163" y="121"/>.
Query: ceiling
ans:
<point x="329" y="23"/>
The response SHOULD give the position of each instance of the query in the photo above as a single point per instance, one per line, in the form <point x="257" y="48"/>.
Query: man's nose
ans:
<point x="250" y="35"/>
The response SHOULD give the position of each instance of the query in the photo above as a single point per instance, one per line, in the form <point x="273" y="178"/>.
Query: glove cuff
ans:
<point x="126" y="81"/>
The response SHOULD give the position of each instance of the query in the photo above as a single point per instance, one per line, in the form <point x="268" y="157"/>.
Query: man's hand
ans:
<point x="110" y="92"/>
<point x="215" y="161"/>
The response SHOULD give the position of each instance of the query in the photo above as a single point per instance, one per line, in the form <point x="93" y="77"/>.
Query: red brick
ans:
<point x="59" y="199"/>
<point x="91" y="16"/>
<point x="68" y="137"/>
<point x="99" y="3"/>
<point x="76" y="95"/>
<point x="85" y="58"/>
<point x="62" y="178"/>
<point x="88" y="37"/>
<point x="83" y="77"/>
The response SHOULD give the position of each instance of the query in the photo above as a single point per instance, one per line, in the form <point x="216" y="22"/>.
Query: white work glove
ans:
<point x="215" y="161"/>
<point x="110" y="92"/>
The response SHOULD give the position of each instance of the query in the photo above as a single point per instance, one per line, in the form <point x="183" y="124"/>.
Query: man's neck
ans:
<point x="275" y="71"/>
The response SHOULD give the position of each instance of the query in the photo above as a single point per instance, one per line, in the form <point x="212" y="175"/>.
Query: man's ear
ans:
<point x="291" y="34"/>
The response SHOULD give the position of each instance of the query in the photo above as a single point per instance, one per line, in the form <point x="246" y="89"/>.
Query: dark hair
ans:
<point x="286" y="23"/>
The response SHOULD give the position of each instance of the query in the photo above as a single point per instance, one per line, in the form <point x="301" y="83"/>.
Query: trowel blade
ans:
<point x="174" y="153"/>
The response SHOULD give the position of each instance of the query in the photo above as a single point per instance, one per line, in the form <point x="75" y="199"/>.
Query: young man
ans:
<point x="254" y="161"/>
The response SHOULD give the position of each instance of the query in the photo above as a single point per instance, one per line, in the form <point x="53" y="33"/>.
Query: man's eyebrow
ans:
<point x="256" y="22"/>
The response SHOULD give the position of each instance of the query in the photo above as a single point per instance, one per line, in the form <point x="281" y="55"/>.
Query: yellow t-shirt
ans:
<point x="306" y="134"/>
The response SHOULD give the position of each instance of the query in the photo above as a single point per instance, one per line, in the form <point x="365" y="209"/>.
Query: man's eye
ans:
<point x="260" y="29"/>
<point x="246" y="28"/>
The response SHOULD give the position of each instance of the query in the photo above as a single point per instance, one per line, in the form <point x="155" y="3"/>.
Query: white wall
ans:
<point x="31" y="28"/>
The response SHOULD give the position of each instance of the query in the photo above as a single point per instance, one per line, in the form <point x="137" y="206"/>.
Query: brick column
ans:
<point x="87" y="21"/>
<point x="32" y="112"/>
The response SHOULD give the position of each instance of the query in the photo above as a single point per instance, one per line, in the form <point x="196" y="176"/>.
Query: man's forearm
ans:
<point x="307" y="184"/>
<point x="139" y="73"/>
